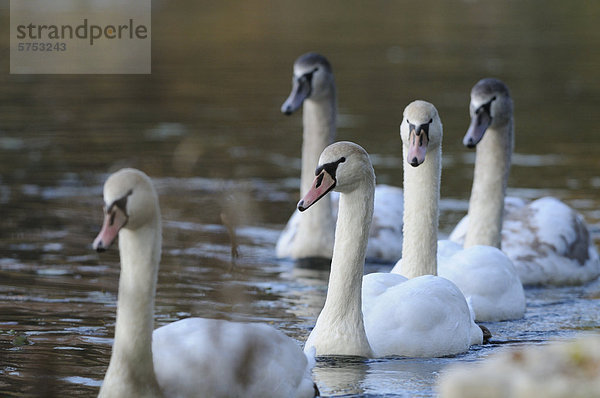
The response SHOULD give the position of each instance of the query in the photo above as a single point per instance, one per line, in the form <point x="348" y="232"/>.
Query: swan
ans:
<point x="312" y="234"/>
<point x="192" y="357"/>
<point x="548" y="242"/>
<point x="557" y="369"/>
<point x="486" y="277"/>
<point x="425" y="316"/>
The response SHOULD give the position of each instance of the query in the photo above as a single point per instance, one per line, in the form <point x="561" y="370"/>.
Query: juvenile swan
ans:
<point x="192" y="357"/>
<point x="312" y="234"/>
<point x="426" y="316"/>
<point x="548" y="242"/>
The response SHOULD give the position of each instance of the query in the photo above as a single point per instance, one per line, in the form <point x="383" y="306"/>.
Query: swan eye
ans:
<point x="486" y="107"/>
<point x="121" y="203"/>
<point x="309" y="75"/>
<point x="419" y="130"/>
<point x="330" y="168"/>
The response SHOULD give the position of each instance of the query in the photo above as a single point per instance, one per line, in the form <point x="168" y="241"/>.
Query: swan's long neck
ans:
<point x="318" y="119"/>
<point x="421" y="197"/>
<point x="317" y="226"/>
<point x="131" y="367"/>
<point x="486" y="206"/>
<point x="347" y="264"/>
<point x="342" y="313"/>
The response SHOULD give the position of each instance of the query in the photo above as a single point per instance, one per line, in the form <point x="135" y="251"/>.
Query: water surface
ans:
<point x="206" y="127"/>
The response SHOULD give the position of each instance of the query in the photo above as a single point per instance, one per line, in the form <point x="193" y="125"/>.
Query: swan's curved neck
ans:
<point x="342" y="313"/>
<point x="486" y="206"/>
<point x="421" y="197"/>
<point x="317" y="226"/>
<point x="131" y="367"/>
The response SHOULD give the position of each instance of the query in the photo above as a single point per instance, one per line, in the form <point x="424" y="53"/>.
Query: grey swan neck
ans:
<point x="421" y="201"/>
<point x="318" y="121"/>
<point x="486" y="205"/>
<point x="316" y="227"/>
<point x="131" y="365"/>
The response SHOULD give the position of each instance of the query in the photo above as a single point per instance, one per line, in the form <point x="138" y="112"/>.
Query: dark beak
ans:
<point x="301" y="90"/>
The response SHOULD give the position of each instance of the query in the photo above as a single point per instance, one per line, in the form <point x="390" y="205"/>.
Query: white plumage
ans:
<point x="198" y="357"/>
<point x="425" y="316"/>
<point x="428" y="315"/>
<point x="487" y="278"/>
<point x="192" y="357"/>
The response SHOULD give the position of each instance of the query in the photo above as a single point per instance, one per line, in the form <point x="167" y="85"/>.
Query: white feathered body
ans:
<point x="487" y="278"/>
<point x="426" y="316"/>
<point x="198" y="357"/>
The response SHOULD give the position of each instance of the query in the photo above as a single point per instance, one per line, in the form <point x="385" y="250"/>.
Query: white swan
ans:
<point x="548" y="242"/>
<point x="485" y="276"/>
<point x="425" y="316"/>
<point x="192" y="357"/>
<point x="421" y="133"/>
<point x="312" y="234"/>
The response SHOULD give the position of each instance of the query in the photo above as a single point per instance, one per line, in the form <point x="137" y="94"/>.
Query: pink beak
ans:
<point x="417" y="147"/>
<point x="322" y="185"/>
<point x="114" y="220"/>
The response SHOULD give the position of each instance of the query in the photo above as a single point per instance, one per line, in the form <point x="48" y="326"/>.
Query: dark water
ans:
<point x="206" y="126"/>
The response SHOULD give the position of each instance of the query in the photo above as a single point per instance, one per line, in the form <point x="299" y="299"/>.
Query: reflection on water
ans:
<point x="343" y="376"/>
<point x="206" y="126"/>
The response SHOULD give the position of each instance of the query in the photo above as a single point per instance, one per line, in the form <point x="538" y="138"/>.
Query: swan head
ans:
<point x="420" y="130"/>
<point x="130" y="201"/>
<point x="313" y="78"/>
<point x="343" y="166"/>
<point x="491" y="105"/>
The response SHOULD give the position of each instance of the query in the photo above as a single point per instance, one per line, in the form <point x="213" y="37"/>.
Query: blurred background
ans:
<point x="206" y="126"/>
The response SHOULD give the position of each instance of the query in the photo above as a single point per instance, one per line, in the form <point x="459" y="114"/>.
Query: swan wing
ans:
<point x="426" y="316"/>
<point x="489" y="281"/>
<point x="206" y="357"/>
<point x="283" y="248"/>
<point x="549" y="243"/>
